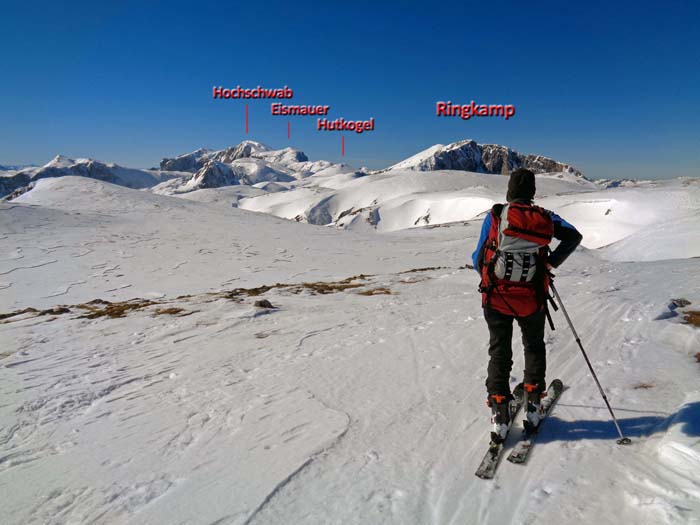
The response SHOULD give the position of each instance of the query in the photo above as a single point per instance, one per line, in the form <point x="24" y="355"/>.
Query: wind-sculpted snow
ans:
<point x="141" y="384"/>
<point x="141" y="422"/>
<point x="125" y="243"/>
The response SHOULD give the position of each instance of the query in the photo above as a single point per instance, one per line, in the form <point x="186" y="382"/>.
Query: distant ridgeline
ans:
<point x="468" y="155"/>
<point x="251" y="162"/>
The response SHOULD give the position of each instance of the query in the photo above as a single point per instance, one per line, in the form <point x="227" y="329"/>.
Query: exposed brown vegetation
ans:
<point x="697" y="357"/>
<point x="330" y="287"/>
<point x="100" y="308"/>
<point x="692" y="317"/>
<point x="338" y="286"/>
<point x="376" y="291"/>
<point x="56" y="310"/>
<point x="19" y="312"/>
<point x="168" y="311"/>
<point x="424" y="269"/>
<point x="250" y="292"/>
<point x="113" y="310"/>
<point x="320" y="287"/>
<point x="643" y="386"/>
<point x="98" y="301"/>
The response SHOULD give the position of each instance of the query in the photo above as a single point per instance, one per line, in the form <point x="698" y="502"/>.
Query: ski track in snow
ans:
<point x="28" y="267"/>
<point x="331" y="408"/>
<point x="63" y="291"/>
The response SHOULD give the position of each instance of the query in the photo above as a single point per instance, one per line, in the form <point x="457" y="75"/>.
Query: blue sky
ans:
<point x="609" y="87"/>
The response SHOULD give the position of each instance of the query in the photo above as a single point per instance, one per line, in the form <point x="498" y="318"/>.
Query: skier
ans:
<point x="514" y="261"/>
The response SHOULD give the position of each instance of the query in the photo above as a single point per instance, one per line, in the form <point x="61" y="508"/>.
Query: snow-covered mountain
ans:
<point x="196" y="160"/>
<point x="61" y="166"/>
<point x="248" y="163"/>
<point x="216" y="174"/>
<point x="251" y="162"/>
<point x="290" y="160"/>
<point x="399" y="197"/>
<point x="468" y="155"/>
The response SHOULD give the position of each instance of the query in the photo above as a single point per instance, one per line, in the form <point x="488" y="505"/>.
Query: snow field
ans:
<point x="364" y="404"/>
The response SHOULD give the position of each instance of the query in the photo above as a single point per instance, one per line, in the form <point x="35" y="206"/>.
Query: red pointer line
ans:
<point x="289" y="129"/>
<point x="246" y="119"/>
<point x="343" y="147"/>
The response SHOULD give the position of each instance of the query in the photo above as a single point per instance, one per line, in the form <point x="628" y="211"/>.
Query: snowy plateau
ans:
<point x="142" y="384"/>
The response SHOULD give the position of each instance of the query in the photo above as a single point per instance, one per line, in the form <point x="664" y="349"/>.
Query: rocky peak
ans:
<point x="468" y="155"/>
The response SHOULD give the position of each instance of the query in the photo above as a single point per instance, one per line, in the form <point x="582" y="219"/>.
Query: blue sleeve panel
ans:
<point x="569" y="238"/>
<point x="485" y="227"/>
<point x="562" y="222"/>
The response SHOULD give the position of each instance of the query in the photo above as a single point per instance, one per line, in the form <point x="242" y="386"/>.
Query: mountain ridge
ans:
<point x="251" y="162"/>
<point x="469" y="155"/>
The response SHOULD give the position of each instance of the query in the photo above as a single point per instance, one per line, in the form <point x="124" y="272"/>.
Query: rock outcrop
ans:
<point x="468" y="155"/>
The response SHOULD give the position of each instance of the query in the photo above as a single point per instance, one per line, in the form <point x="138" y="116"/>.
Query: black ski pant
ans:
<point x="501" y="351"/>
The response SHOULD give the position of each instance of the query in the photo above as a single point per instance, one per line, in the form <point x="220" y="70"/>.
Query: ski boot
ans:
<point x="500" y="417"/>
<point x="534" y="409"/>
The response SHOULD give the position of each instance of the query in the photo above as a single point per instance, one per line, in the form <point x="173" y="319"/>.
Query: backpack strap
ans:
<point x="492" y="245"/>
<point x="503" y="222"/>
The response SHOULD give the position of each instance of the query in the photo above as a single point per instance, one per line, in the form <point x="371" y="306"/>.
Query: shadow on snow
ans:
<point x="636" y="427"/>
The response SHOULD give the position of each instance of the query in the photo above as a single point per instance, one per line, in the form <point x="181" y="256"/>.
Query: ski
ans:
<point x="522" y="448"/>
<point x="487" y="468"/>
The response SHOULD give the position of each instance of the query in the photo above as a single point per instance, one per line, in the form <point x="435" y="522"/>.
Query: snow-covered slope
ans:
<point x="636" y="223"/>
<point x="397" y="199"/>
<point x="422" y="158"/>
<point x="358" y="399"/>
<point x="61" y="166"/>
<point x="91" y="239"/>
<point x="227" y="196"/>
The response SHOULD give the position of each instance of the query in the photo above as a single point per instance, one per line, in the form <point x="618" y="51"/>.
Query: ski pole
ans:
<point x="623" y="440"/>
